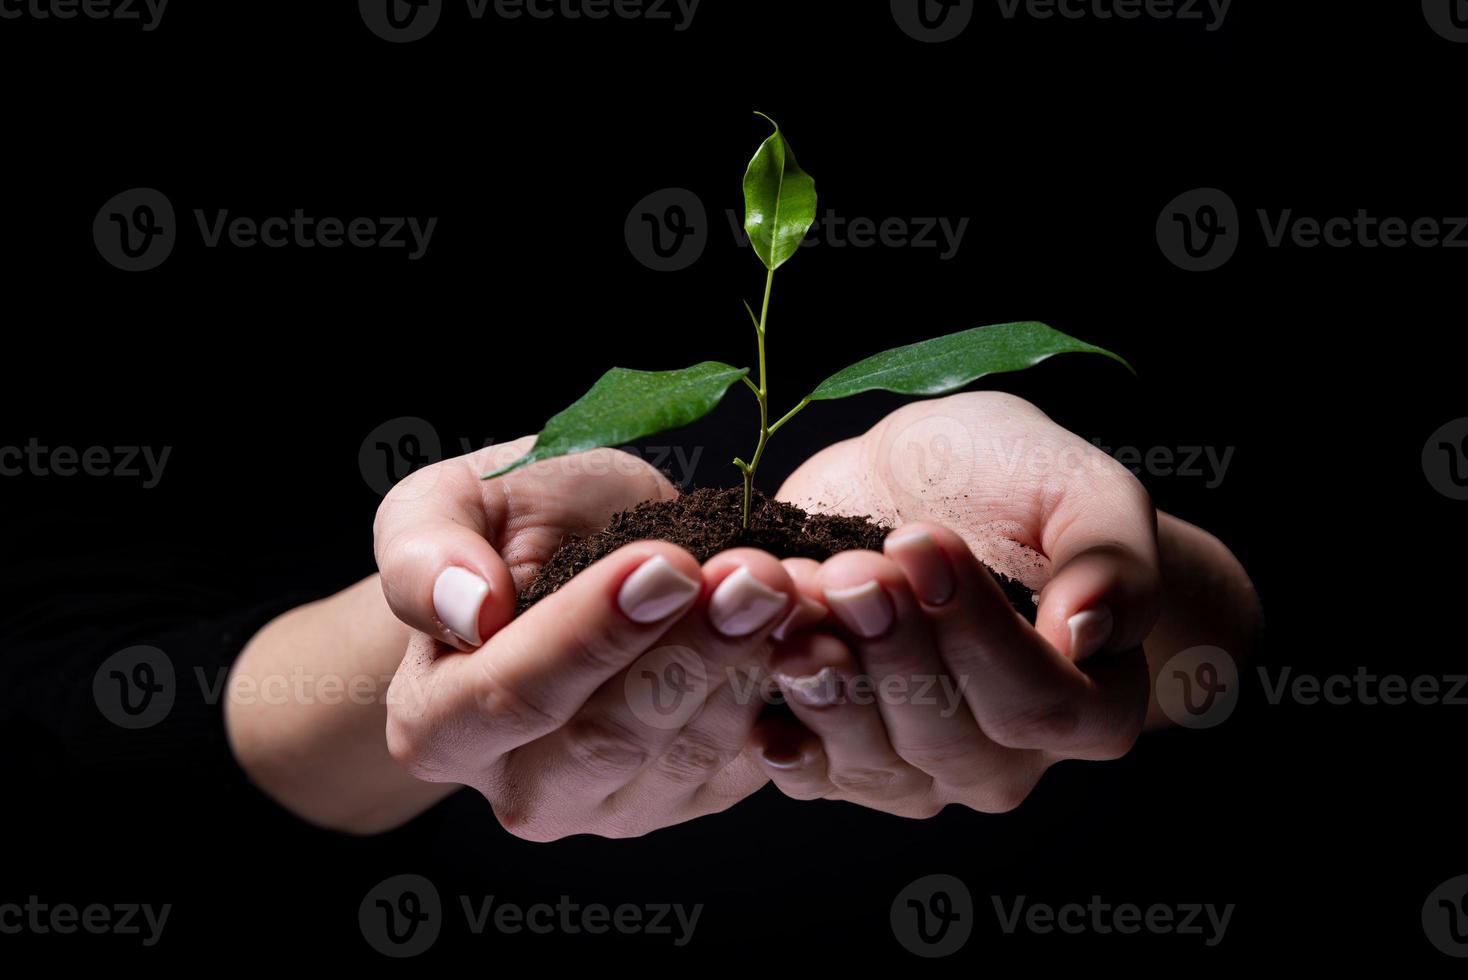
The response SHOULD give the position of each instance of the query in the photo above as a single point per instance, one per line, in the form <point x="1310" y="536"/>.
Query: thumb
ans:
<point x="446" y="580"/>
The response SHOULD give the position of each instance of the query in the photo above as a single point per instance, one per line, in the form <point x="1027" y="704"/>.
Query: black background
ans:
<point x="1325" y="369"/>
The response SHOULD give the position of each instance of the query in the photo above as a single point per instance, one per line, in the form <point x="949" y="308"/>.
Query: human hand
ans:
<point x="454" y="549"/>
<point x="935" y="690"/>
<point x="619" y="704"/>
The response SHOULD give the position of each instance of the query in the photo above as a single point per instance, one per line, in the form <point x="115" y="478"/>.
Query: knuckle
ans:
<point x="508" y="711"/>
<point x="952" y="759"/>
<point x="875" y="783"/>
<point x="1041" y="724"/>
<point x="693" y="757"/>
<point x="523" y="822"/>
<point x="602" y="747"/>
<point x="1005" y="794"/>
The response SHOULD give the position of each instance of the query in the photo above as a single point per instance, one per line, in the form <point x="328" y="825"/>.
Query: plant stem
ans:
<point x="763" y="394"/>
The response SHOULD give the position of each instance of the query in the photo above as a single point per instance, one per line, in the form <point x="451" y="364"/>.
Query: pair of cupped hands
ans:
<point x="637" y="696"/>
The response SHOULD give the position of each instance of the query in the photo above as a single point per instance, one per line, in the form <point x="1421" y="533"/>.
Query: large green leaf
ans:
<point x="944" y="364"/>
<point x="779" y="201"/>
<point x="624" y="405"/>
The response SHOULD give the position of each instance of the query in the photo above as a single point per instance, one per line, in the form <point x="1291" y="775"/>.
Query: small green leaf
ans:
<point x="779" y="201"/>
<point x="944" y="364"/>
<point x="624" y="405"/>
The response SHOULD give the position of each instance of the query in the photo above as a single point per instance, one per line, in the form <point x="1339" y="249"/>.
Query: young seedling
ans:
<point x="779" y="209"/>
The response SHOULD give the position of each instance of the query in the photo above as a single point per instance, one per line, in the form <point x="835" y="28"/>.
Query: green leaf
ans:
<point x="944" y="364"/>
<point x="624" y="405"/>
<point x="779" y="201"/>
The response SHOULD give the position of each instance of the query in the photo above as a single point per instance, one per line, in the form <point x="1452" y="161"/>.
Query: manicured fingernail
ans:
<point x="819" y="690"/>
<point x="865" y="610"/>
<point x="655" y="591"/>
<point x="807" y="612"/>
<point x="458" y="596"/>
<point x="1089" y="632"/>
<point x="925" y="564"/>
<point x="743" y="604"/>
<point x="779" y="760"/>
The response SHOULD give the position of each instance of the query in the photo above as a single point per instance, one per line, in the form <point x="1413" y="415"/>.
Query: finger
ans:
<point x="792" y="757"/>
<point x="637" y="717"/>
<point x="810" y="609"/>
<point x="440" y="574"/>
<point x="827" y="692"/>
<point x="1101" y="537"/>
<point x="538" y="672"/>
<point x="1022" y="691"/>
<point x="922" y="705"/>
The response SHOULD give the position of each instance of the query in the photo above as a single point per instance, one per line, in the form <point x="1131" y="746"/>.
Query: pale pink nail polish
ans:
<point x="655" y="591"/>
<point x="1089" y="631"/>
<point x="807" y="612"/>
<point x="865" y="609"/>
<point x="819" y="690"/>
<point x="925" y="565"/>
<point x="742" y="604"/>
<point x="458" y="596"/>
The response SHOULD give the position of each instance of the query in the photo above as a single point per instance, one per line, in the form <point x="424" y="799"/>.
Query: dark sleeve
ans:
<point x="117" y="677"/>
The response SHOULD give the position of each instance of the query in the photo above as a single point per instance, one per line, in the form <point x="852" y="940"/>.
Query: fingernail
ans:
<point x="807" y="612"/>
<point x="458" y="596"/>
<point x="819" y="690"/>
<point x="1089" y="632"/>
<point x="743" y="604"/>
<point x="925" y="564"/>
<point x="655" y="591"/>
<point x="779" y="760"/>
<point x="865" y="610"/>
